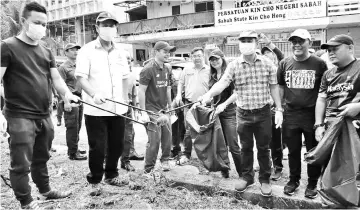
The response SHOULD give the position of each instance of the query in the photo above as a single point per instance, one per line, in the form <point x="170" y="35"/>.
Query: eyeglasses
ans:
<point x="300" y="41"/>
<point x="197" y="56"/>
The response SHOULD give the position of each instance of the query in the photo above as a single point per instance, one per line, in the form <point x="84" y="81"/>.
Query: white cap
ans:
<point x="302" y="33"/>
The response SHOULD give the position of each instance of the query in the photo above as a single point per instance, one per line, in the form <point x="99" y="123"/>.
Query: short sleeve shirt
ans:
<point x="195" y="82"/>
<point x="252" y="81"/>
<point x="158" y="80"/>
<point x="67" y="72"/>
<point x="301" y="80"/>
<point x="340" y="86"/>
<point x="105" y="71"/>
<point x="27" y="80"/>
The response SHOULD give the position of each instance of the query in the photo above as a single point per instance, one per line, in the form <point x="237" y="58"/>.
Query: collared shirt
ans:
<point x="157" y="79"/>
<point x="196" y="82"/>
<point x="105" y="71"/>
<point x="67" y="72"/>
<point x="251" y="80"/>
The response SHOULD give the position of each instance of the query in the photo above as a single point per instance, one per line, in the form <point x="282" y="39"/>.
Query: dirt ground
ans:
<point x="143" y="192"/>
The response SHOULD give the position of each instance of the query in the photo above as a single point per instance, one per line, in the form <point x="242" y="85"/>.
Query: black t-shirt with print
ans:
<point x="157" y="80"/>
<point x="341" y="86"/>
<point x="27" y="80"/>
<point x="301" y="81"/>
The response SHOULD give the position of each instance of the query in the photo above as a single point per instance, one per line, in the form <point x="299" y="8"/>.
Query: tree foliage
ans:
<point x="10" y="20"/>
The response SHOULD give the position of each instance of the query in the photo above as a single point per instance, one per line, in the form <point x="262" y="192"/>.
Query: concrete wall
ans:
<point x="354" y="32"/>
<point x="154" y="10"/>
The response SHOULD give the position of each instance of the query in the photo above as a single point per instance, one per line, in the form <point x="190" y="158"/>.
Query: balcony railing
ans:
<point x="176" y="22"/>
<point x="343" y="7"/>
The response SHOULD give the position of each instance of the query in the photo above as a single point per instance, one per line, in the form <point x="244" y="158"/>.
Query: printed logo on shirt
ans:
<point x="300" y="79"/>
<point x="162" y="83"/>
<point x="342" y="87"/>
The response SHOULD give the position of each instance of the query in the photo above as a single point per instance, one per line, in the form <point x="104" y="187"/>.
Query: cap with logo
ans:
<point x="164" y="45"/>
<point x="105" y="16"/>
<point x="248" y="34"/>
<point x="71" y="45"/>
<point x="338" y="40"/>
<point x="217" y="53"/>
<point x="302" y="33"/>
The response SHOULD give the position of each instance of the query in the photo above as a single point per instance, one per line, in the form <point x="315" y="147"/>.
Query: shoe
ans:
<point x="33" y="205"/>
<point x="83" y="152"/>
<point x="128" y="167"/>
<point x="135" y="156"/>
<point x="276" y="175"/>
<point x="116" y="181"/>
<point x="290" y="187"/>
<point x="243" y="185"/>
<point x="165" y="165"/>
<point x="174" y="156"/>
<point x="77" y="156"/>
<point x="225" y="174"/>
<point x="96" y="190"/>
<point x="265" y="189"/>
<point x="55" y="194"/>
<point x="148" y="171"/>
<point x="183" y="160"/>
<point x="311" y="192"/>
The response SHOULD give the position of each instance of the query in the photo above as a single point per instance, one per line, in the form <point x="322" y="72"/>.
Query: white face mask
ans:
<point x="107" y="33"/>
<point x="36" y="32"/>
<point x="247" y="48"/>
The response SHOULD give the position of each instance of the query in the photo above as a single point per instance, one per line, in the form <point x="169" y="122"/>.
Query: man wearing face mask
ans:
<point x="255" y="80"/>
<point x="28" y="71"/>
<point x="102" y="71"/>
<point x="195" y="80"/>
<point x="299" y="77"/>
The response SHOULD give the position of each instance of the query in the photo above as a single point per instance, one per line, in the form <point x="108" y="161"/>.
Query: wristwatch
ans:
<point x="279" y="110"/>
<point x="319" y="125"/>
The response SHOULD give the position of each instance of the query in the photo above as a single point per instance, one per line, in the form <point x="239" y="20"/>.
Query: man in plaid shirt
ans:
<point x="255" y="80"/>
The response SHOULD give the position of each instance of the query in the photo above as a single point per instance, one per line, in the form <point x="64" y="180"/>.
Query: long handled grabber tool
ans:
<point x="177" y="108"/>
<point x="134" y="107"/>
<point x="151" y="126"/>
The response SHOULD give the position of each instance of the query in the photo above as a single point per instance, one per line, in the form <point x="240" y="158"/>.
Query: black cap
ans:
<point x="105" y="16"/>
<point x="338" y="40"/>
<point x="217" y="53"/>
<point x="164" y="45"/>
<point x="71" y="45"/>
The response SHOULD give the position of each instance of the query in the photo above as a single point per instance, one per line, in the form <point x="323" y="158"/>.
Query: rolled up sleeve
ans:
<point x="82" y="64"/>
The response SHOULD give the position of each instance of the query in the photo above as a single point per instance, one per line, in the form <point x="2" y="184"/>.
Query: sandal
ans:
<point x="32" y="205"/>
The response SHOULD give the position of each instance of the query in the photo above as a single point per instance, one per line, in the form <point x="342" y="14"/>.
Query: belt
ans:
<point x="267" y="106"/>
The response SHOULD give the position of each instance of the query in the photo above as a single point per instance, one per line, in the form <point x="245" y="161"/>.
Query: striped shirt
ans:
<point x="251" y="80"/>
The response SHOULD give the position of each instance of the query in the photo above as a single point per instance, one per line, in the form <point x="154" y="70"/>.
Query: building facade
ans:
<point x="74" y="21"/>
<point x="216" y="23"/>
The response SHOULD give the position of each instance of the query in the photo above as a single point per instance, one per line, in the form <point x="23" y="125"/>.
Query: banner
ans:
<point x="271" y="12"/>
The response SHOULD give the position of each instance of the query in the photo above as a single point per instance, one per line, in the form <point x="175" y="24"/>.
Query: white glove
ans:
<point x="278" y="119"/>
<point x="144" y="117"/>
<point x="99" y="99"/>
<point x="3" y="123"/>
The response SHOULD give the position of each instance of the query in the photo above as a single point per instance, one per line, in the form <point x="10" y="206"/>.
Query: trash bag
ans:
<point x="318" y="155"/>
<point x="338" y="187"/>
<point x="209" y="144"/>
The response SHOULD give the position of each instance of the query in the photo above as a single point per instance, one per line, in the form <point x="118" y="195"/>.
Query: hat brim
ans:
<point x="329" y="44"/>
<point x="108" y="18"/>
<point x="75" y="46"/>
<point x="241" y="37"/>
<point x="291" y="37"/>
<point x="216" y="56"/>
<point x="170" y="48"/>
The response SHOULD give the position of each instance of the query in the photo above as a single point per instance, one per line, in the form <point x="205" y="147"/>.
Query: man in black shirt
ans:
<point x="28" y="71"/>
<point x="299" y="77"/>
<point x="340" y="86"/>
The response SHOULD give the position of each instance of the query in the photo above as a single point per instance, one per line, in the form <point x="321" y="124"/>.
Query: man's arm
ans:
<point x="281" y="92"/>
<point x="59" y="84"/>
<point x="320" y="110"/>
<point x="275" y="94"/>
<point x="142" y="91"/>
<point x="3" y="70"/>
<point x="86" y="86"/>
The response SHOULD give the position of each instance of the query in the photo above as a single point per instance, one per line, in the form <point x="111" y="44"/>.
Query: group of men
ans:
<point x="101" y="73"/>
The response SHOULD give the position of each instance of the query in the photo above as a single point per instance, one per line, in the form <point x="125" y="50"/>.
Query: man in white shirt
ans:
<point x="102" y="70"/>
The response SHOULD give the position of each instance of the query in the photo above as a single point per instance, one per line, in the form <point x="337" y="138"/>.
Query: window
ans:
<point x="204" y="6"/>
<point x="176" y="10"/>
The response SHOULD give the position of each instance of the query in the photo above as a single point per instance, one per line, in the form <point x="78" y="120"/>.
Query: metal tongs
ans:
<point x="151" y="126"/>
